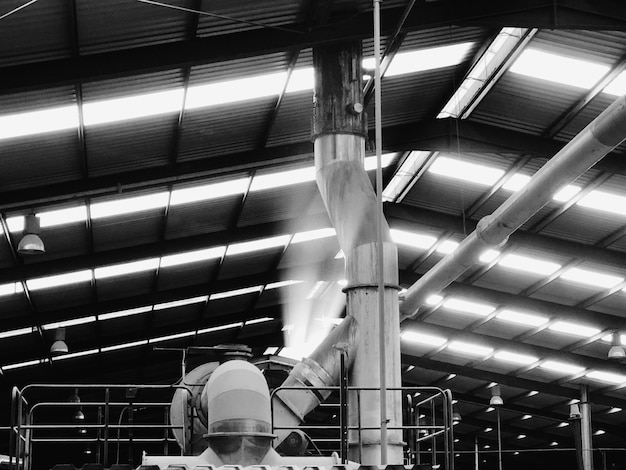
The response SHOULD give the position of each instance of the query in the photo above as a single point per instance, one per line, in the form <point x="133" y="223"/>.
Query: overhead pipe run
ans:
<point x="592" y="144"/>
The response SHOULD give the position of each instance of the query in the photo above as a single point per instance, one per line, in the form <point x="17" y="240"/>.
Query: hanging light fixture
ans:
<point x="496" y="398"/>
<point x="31" y="243"/>
<point x="59" y="347"/>
<point x="616" y="351"/>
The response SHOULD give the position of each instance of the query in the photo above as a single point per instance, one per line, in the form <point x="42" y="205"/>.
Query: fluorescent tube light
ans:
<point x="59" y="280"/>
<point x="279" y="284"/>
<point x="566" y="193"/>
<point x="521" y="318"/>
<point x="469" y="348"/>
<point x="603" y="201"/>
<point x="38" y="122"/>
<point x="258" y="320"/>
<point x="192" y="256"/>
<point x="515" y="358"/>
<point x="618" y="86"/>
<point x="369" y="163"/>
<point x="516" y="182"/>
<point x="558" y="68"/>
<point x="11" y="288"/>
<point x="607" y="377"/>
<point x="467" y="306"/>
<point x="18" y="332"/>
<point x="123" y="269"/>
<point x="575" y="329"/>
<point x="133" y="344"/>
<point x="257" y="245"/>
<point x="234" y="293"/>
<point x="68" y="323"/>
<point x="129" y="205"/>
<point x="174" y="336"/>
<point x="125" y="313"/>
<point x="302" y="79"/>
<point x="282" y="178"/>
<point x="422" y="338"/>
<point x="413" y="240"/>
<point x="591" y="278"/>
<point x="447" y="246"/>
<point x="220" y="328"/>
<point x="528" y="264"/>
<point x="465" y="171"/>
<point x="64" y="216"/>
<point x="562" y="367"/>
<point x="88" y="352"/>
<point x="313" y="235"/>
<point x="20" y="365"/>
<point x="209" y="191"/>
<point x="181" y="302"/>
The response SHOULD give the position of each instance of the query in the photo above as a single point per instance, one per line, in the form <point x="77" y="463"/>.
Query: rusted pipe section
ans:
<point x="339" y="131"/>
<point x="592" y="144"/>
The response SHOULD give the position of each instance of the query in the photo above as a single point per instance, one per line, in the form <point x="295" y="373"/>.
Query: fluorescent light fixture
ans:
<point x="133" y="344"/>
<point x="174" y="336"/>
<point x="129" y="205"/>
<point x="490" y="409"/>
<point x="301" y="80"/>
<point x="404" y="175"/>
<point x="607" y="377"/>
<point x="488" y="430"/>
<point x="270" y="351"/>
<point x="370" y="163"/>
<point x="446" y="247"/>
<point x="88" y="352"/>
<point x="521" y="318"/>
<point x="11" y="288"/>
<point x="236" y="292"/>
<point x="231" y="91"/>
<point x="515" y="358"/>
<point x="257" y="245"/>
<point x="488" y="256"/>
<point x="591" y="278"/>
<point x="599" y="432"/>
<point x="558" y="68"/>
<point x="422" y="338"/>
<point x="21" y="365"/>
<point x="209" y="191"/>
<point x="575" y="329"/>
<point x="467" y="306"/>
<point x="521" y="436"/>
<point x="566" y="193"/>
<point x="528" y="264"/>
<point x="212" y="329"/>
<point x="279" y="284"/>
<point x="38" y="122"/>
<point x="532" y="393"/>
<point x="433" y="300"/>
<point x="562" y="367"/>
<point x="181" y="302"/>
<point x="563" y="424"/>
<point x="15" y="223"/>
<point x="525" y="417"/>
<point x="68" y="323"/>
<point x="133" y="107"/>
<point x="64" y="216"/>
<point x="469" y="348"/>
<point x="283" y="178"/>
<point x="413" y="240"/>
<point x="313" y="235"/>
<point x="603" y="201"/>
<point x="465" y="171"/>
<point x="258" y="320"/>
<point x="59" y="280"/>
<point x="615" y="409"/>
<point x="192" y="256"/>
<point x="123" y="269"/>
<point x="618" y="86"/>
<point x="125" y="313"/>
<point x="424" y="59"/>
<point x="18" y="332"/>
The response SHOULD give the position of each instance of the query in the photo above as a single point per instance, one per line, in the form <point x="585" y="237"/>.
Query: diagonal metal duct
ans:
<point x="593" y="143"/>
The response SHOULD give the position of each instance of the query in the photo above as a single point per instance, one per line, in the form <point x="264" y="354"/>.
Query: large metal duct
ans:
<point x="339" y="143"/>
<point x="593" y="143"/>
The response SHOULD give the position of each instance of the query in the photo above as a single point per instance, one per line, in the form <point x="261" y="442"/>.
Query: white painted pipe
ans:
<point x="593" y="143"/>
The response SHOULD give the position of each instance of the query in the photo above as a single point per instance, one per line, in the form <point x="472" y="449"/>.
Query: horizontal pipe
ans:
<point x="593" y="143"/>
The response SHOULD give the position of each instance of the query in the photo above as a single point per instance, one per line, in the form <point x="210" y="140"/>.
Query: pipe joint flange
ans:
<point x="350" y="287"/>
<point x="490" y="234"/>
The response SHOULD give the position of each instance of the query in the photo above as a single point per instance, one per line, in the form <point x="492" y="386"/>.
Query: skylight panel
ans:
<point x="241" y="89"/>
<point x="69" y="323"/>
<point x="257" y="245"/>
<point x="424" y="59"/>
<point x="447" y="246"/>
<point x="236" y="292"/>
<point x="133" y="344"/>
<point x="283" y="178"/>
<point x="469" y="348"/>
<point x="192" y="256"/>
<point x="591" y="278"/>
<point x="566" y="193"/>
<point x="38" y="122"/>
<point x="411" y="239"/>
<point x="123" y="269"/>
<point x="562" y="367"/>
<point x="515" y="358"/>
<point x="521" y="318"/>
<point x="59" y="280"/>
<point x="558" y="68"/>
<point x="528" y="264"/>
<point x="516" y="182"/>
<point x="18" y="332"/>
<point x="618" y="86"/>
<point x="433" y="300"/>
<point x="603" y="201"/>
<point x="213" y="329"/>
<point x="125" y="313"/>
<point x="422" y="338"/>
<point x="465" y="171"/>
<point x="209" y="191"/>
<point x="302" y="79"/>
<point x="488" y="256"/>
<point x="181" y="302"/>
<point x="129" y="205"/>
<point x="369" y="163"/>
<point x="88" y="352"/>
<point x="64" y="216"/>
<point x="133" y="107"/>
<point x="466" y="306"/>
<point x="575" y="329"/>
<point x="174" y="336"/>
<point x="313" y="235"/>
<point x="20" y="365"/>
<point x="607" y="377"/>
<point x="11" y="288"/>
<point x="404" y="175"/>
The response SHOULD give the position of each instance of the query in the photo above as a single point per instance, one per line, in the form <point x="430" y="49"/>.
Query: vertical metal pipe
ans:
<point x="476" y="455"/>
<point x="382" y="362"/>
<point x="499" y="439"/>
<point x="585" y="428"/>
<point x="107" y="398"/>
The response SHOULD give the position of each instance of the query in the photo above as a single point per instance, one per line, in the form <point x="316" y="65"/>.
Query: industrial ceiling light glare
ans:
<point x="616" y="351"/>
<point x="59" y="347"/>
<point x="496" y="398"/>
<point x="31" y="243"/>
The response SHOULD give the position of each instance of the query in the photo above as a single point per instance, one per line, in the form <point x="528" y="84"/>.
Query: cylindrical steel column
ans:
<point x="585" y="428"/>
<point x="339" y="138"/>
